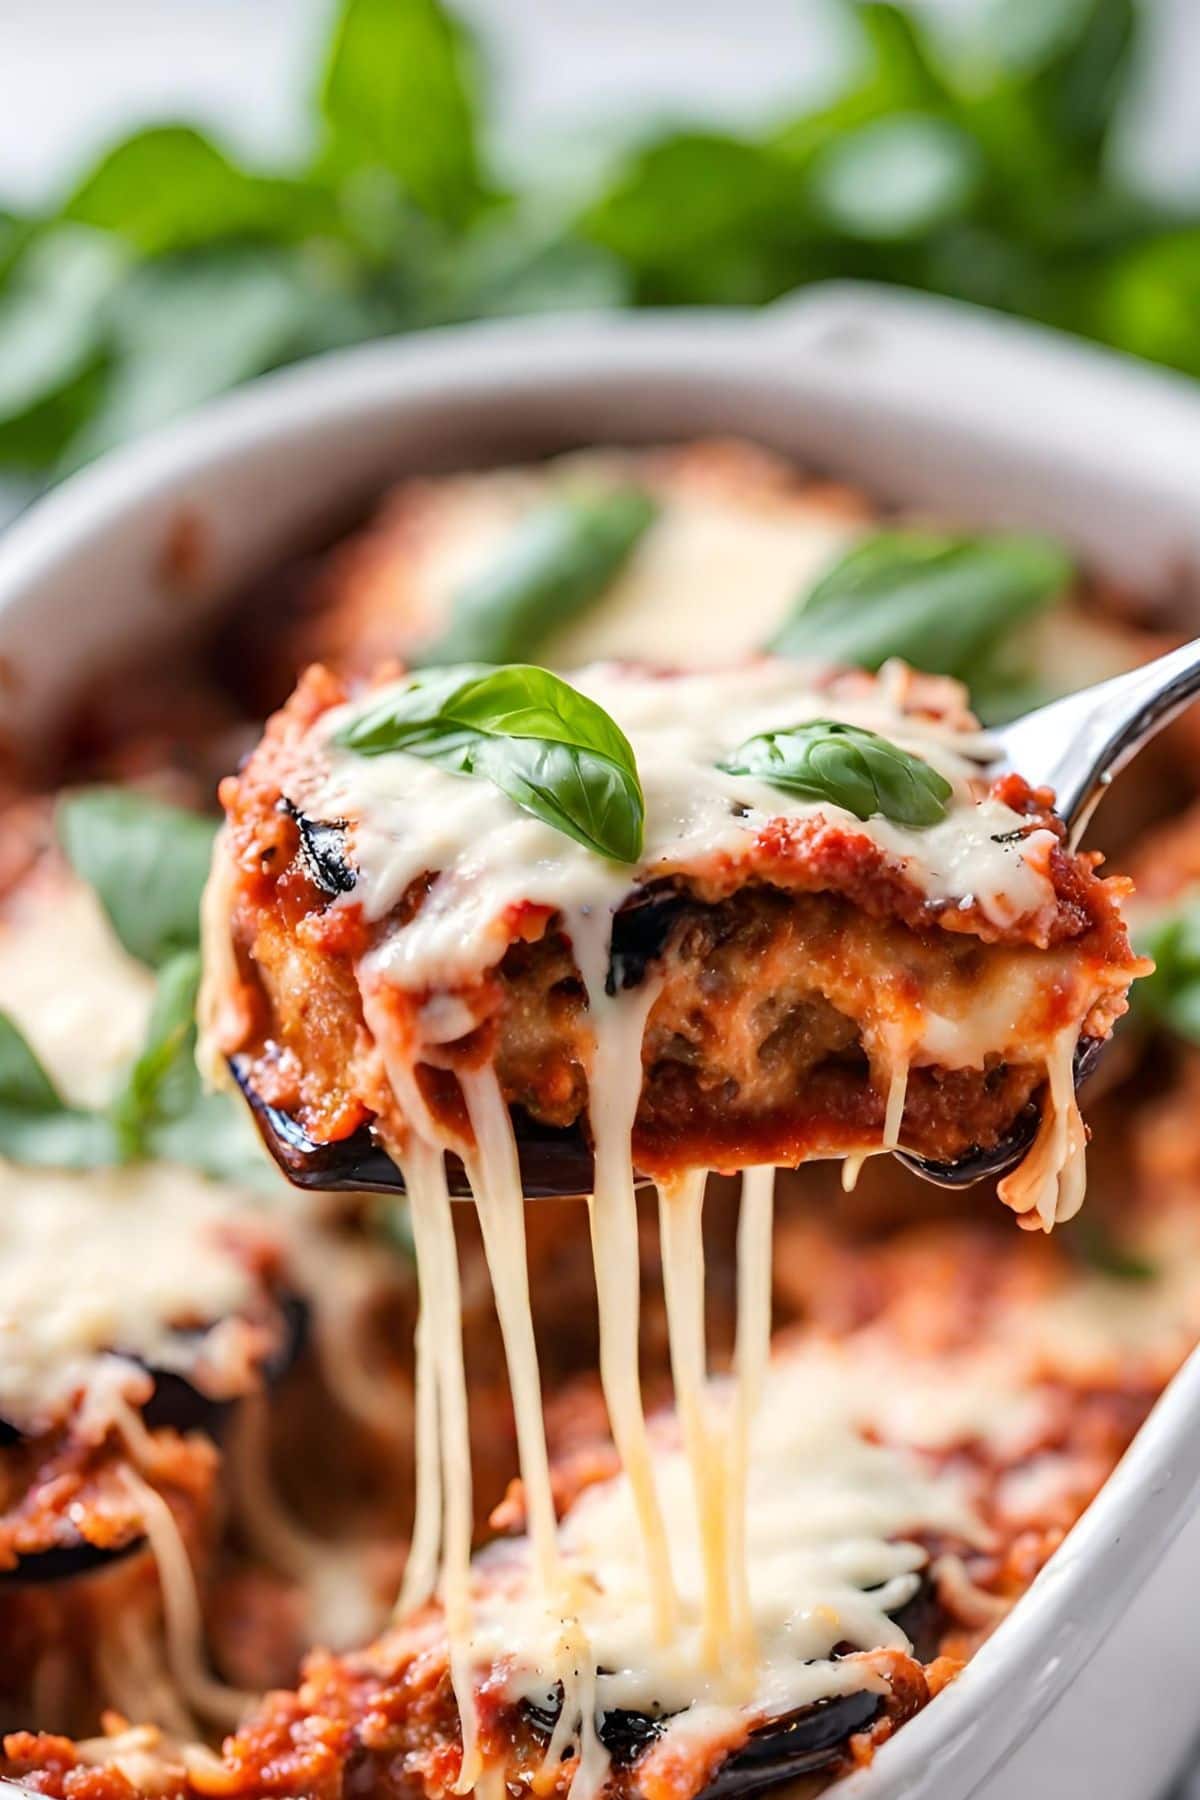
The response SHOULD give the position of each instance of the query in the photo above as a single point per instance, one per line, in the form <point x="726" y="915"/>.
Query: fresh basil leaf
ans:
<point x="559" y="560"/>
<point x="702" y="217"/>
<point x="1071" y="58"/>
<point x="37" y="1126"/>
<point x="946" y="604"/>
<point x="162" y="1112"/>
<point x="147" y="862"/>
<point x="1147" y="299"/>
<point x="400" y="96"/>
<point x="161" y="1080"/>
<point x="517" y="261"/>
<point x="826" y="760"/>
<point x="185" y="328"/>
<point x="170" y="188"/>
<point x="53" y="340"/>
<point x="553" y="751"/>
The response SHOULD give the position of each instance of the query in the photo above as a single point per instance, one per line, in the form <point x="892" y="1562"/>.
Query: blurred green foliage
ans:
<point x="982" y="171"/>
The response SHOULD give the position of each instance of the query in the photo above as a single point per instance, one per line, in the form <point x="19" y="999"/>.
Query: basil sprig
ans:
<point x="948" y="605"/>
<point x="147" y="863"/>
<point x="556" y="563"/>
<point x="554" y="752"/>
<point x="826" y="760"/>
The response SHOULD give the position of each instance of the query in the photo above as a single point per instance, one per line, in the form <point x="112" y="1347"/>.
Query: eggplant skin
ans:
<point x="800" y="1744"/>
<point x="323" y="848"/>
<point x="812" y="1738"/>
<point x="640" y="932"/>
<point x="66" y="1562"/>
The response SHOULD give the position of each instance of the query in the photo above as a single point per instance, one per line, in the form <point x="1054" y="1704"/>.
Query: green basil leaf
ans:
<point x="826" y="760"/>
<point x="585" y="795"/>
<point x="400" y="96"/>
<point x="183" y="328"/>
<point x="170" y="188"/>
<point x="558" y="561"/>
<point x="162" y="1112"/>
<point x="553" y="751"/>
<point x="163" y="1078"/>
<point x="946" y="604"/>
<point x="1069" y="59"/>
<point x="53" y="341"/>
<point x="37" y="1126"/>
<point x="147" y="862"/>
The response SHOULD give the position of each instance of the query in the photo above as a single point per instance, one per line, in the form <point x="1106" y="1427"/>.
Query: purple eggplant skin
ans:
<point x="66" y="1562"/>
<point x="982" y="1165"/>
<point x="322" y="850"/>
<point x="555" y="1163"/>
<point x="175" y="1404"/>
<point x="800" y="1744"/>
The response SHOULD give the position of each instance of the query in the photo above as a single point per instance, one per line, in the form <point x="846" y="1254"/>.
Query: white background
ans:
<point x="77" y="73"/>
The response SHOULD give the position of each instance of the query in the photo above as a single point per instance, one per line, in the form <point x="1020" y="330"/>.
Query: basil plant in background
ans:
<point x="979" y="165"/>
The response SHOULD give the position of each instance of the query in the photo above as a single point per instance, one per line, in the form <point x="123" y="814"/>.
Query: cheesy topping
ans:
<point x="142" y="1260"/>
<point x="408" y="816"/>
<point x="789" y="1530"/>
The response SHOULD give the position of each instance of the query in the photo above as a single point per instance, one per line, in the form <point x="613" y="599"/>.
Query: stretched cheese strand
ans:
<point x="752" y="1350"/>
<point x="897" y="1093"/>
<point x="421" y="1568"/>
<point x="681" y="1206"/>
<point x="441" y="1303"/>
<point x="495" y="1175"/>
<point x="181" y="1609"/>
<point x="1047" y="1188"/>
<point x="614" y="1088"/>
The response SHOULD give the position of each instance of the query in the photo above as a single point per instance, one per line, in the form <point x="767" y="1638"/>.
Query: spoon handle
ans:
<point x="1076" y="745"/>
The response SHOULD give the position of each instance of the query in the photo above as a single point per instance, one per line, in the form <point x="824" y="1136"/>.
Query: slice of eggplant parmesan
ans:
<point x="802" y="1742"/>
<point x="174" y="1404"/>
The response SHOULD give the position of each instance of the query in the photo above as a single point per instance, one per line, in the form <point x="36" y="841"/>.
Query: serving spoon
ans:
<point x="1076" y="745"/>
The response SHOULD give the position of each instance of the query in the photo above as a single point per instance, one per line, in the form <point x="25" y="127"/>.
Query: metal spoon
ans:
<point x="1075" y="746"/>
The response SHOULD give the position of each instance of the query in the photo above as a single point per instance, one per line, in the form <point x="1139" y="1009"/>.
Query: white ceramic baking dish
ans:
<point x="1088" y="1690"/>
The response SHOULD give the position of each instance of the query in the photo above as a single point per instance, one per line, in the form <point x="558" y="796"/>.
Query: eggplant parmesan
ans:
<point x="729" y="921"/>
<point x="796" y="979"/>
<point x="970" y="1391"/>
<point x="410" y="947"/>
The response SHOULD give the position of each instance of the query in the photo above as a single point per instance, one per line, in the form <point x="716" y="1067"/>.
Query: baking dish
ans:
<point x="1084" y="1689"/>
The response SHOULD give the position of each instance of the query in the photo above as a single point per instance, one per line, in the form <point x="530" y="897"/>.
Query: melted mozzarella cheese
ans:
<point x="409" y="816"/>
<point x="65" y="981"/>
<point x="787" y="1527"/>
<point x="828" y="1556"/>
<point x="115" y="1259"/>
